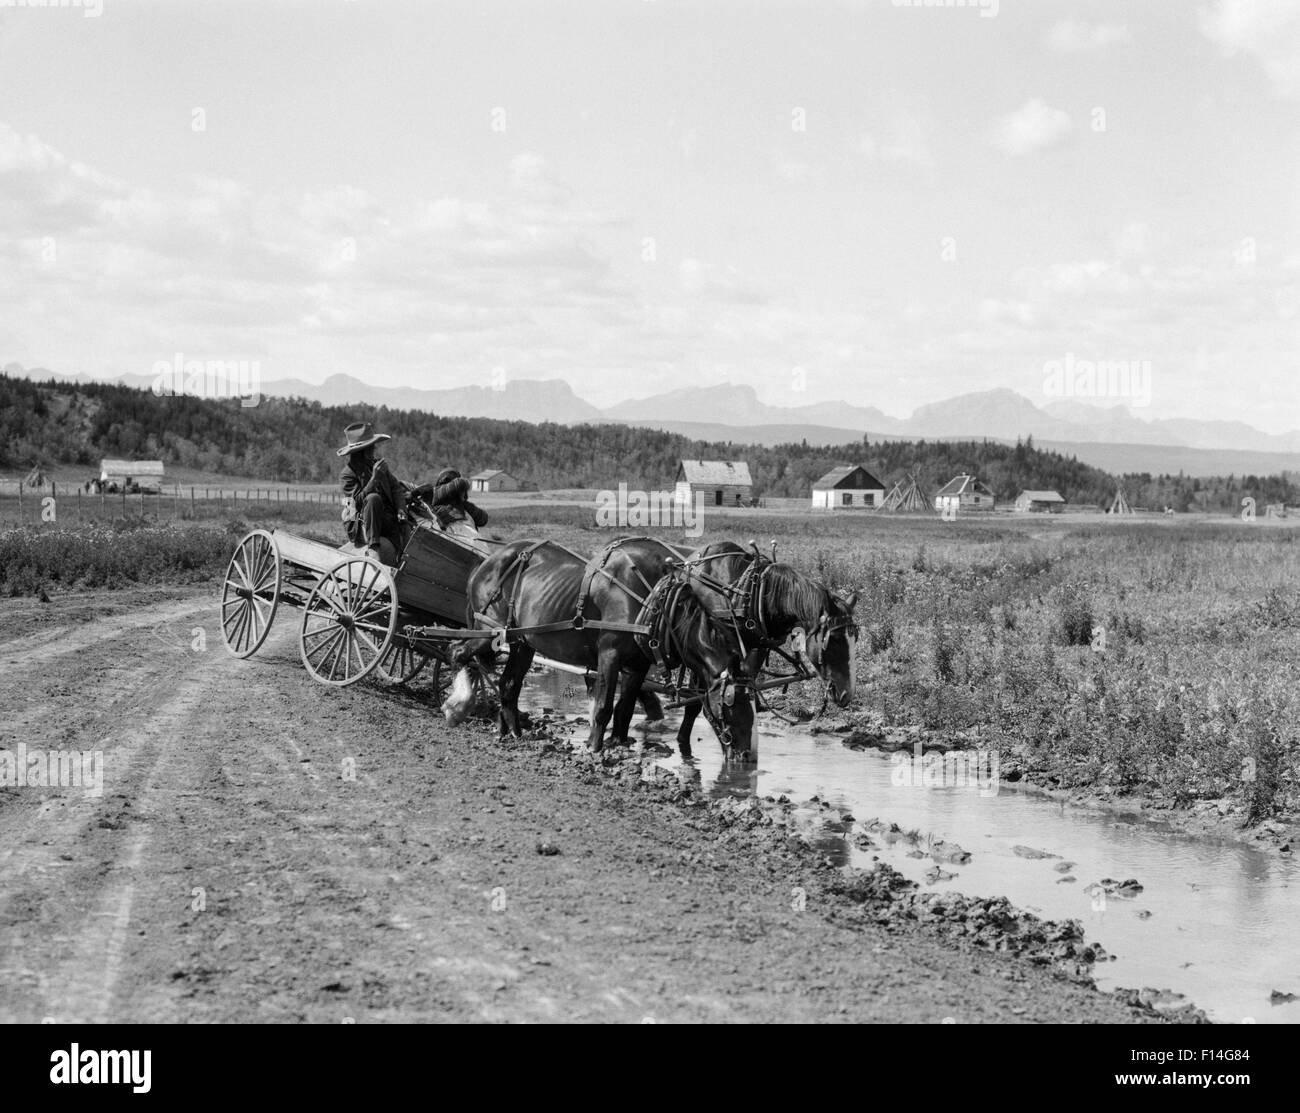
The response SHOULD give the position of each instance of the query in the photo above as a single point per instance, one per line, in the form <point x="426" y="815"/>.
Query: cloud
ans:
<point x="1071" y="36"/>
<point x="1267" y="30"/>
<point x="904" y="140"/>
<point x="710" y="281"/>
<point x="1133" y="242"/>
<point x="1033" y="127"/>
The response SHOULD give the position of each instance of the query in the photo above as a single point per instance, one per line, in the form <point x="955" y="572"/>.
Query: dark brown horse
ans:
<point x="766" y="602"/>
<point x="587" y="614"/>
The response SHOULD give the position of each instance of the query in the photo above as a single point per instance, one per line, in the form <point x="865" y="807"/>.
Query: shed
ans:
<point x="1039" y="502"/>
<point x="721" y="482"/>
<point x="846" y="487"/>
<point x="493" y="479"/>
<point x="964" y="492"/>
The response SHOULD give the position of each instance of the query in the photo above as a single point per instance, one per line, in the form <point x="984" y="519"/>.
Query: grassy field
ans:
<point x="1157" y="657"/>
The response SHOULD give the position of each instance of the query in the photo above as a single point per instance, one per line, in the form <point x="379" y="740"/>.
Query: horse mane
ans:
<point x="789" y="595"/>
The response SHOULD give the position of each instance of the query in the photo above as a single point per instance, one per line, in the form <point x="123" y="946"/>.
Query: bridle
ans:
<point x="745" y="609"/>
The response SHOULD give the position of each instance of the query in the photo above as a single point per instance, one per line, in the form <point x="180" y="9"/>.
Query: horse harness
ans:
<point x="516" y="568"/>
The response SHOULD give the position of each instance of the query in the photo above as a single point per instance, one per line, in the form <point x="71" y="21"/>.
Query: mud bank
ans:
<point x="1223" y="819"/>
<point x="803" y="835"/>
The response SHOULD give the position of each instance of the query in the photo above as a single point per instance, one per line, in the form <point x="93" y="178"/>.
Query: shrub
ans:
<point x="1075" y="617"/>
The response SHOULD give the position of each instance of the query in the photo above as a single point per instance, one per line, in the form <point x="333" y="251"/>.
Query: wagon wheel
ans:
<point x="251" y="593"/>
<point x="401" y="662"/>
<point x="348" y="621"/>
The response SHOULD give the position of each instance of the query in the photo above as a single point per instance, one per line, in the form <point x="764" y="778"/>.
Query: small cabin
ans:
<point x="847" y="487"/>
<point x="493" y="480"/>
<point x="1039" y="502"/>
<point x="721" y="482"/>
<point x="962" y="493"/>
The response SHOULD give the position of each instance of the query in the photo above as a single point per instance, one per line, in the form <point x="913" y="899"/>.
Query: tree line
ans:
<point x="294" y="440"/>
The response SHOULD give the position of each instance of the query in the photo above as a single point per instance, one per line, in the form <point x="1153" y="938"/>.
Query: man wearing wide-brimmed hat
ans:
<point x="374" y="499"/>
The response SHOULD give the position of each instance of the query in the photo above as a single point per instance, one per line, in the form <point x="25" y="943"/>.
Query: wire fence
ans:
<point x="68" y="504"/>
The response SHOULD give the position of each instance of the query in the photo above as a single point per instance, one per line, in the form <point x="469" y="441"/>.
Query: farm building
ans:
<point x="494" y="480"/>
<point x="1040" y="502"/>
<point x="850" y="485"/>
<point x="964" y="492"/>
<point x="721" y="482"/>
<point x="127" y="473"/>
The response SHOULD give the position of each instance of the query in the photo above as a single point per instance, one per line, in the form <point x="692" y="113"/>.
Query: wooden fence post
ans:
<point x="78" y="506"/>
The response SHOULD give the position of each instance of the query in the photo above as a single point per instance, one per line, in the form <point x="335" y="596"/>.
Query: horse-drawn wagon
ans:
<point x="712" y="618"/>
<point x="354" y="609"/>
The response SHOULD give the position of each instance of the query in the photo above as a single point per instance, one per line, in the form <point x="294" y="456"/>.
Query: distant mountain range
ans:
<point x="1110" y="437"/>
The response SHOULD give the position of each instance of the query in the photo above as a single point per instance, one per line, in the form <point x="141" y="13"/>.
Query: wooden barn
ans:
<point x="126" y="474"/>
<point x="1039" y="502"/>
<point x="494" y="480"/>
<point x="722" y="482"/>
<point x="962" y="493"/>
<point x="849" y="486"/>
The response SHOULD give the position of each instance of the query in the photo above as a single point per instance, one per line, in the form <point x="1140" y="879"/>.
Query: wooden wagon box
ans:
<point x="434" y="574"/>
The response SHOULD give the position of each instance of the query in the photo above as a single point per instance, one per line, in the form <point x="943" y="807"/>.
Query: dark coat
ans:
<point x="359" y="482"/>
<point x="449" y="503"/>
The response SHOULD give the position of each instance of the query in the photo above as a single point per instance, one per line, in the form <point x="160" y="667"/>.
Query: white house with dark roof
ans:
<point x="962" y="493"/>
<point x="721" y="482"/>
<point x="493" y="479"/>
<point x="847" y="487"/>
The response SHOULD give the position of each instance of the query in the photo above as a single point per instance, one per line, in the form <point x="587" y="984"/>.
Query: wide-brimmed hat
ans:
<point x="359" y="437"/>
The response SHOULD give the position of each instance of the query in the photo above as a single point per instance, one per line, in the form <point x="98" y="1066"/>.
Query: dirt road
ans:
<point x="267" y="849"/>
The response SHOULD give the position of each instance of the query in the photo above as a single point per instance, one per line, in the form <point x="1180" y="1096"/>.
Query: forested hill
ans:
<point x="290" y="440"/>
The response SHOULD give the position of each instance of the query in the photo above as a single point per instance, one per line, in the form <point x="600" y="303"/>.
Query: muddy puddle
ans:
<point x="1214" y="921"/>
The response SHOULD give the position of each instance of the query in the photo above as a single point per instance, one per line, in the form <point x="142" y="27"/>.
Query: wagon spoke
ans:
<point x="337" y="647"/>
<point x="327" y="595"/>
<point x="363" y="637"/>
<point x="324" y="647"/>
<point x="321" y="631"/>
<point x="341" y="595"/>
<point x="241" y="624"/>
<point x="378" y="606"/>
<point x="258" y="603"/>
<point x="266" y="562"/>
<point x="242" y="568"/>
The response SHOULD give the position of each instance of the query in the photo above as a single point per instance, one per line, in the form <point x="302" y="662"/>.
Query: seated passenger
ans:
<point x="451" y="503"/>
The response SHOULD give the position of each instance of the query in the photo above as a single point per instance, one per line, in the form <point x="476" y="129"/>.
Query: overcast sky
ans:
<point x="885" y="204"/>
